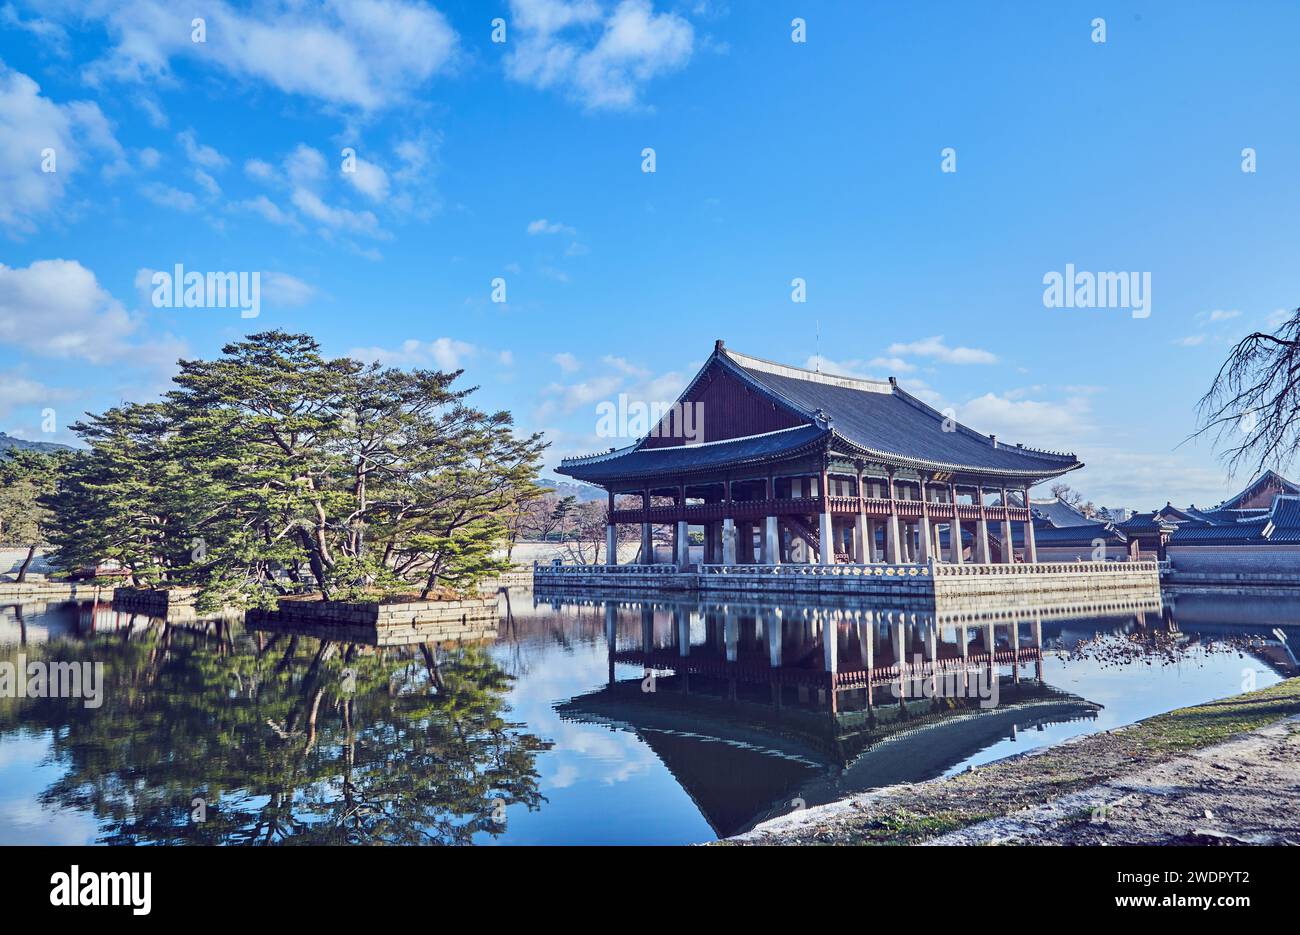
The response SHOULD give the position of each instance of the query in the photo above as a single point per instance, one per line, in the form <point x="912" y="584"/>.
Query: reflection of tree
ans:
<point x="288" y="740"/>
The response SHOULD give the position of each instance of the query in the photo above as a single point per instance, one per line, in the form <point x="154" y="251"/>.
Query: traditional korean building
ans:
<point x="791" y="465"/>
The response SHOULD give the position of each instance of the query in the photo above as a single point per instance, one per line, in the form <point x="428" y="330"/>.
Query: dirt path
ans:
<point x="1151" y="782"/>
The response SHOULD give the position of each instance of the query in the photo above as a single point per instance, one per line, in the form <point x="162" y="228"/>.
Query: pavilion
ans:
<point x="788" y="465"/>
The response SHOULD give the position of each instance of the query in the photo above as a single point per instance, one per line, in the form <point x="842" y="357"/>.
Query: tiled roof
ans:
<point x="1237" y="534"/>
<point x="647" y="462"/>
<point x="882" y="419"/>
<point x="1140" y="523"/>
<point x="1059" y="513"/>
<point x="1290" y="487"/>
<point x="873" y="417"/>
<point x="1082" y="535"/>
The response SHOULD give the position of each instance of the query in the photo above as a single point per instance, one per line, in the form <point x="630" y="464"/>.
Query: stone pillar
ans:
<point x="728" y="541"/>
<point x="771" y="541"/>
<point x="1031" y="545"/>
<point x="683" y="543"/>
<point x="647" y="544"/>
<point x="827" y="535"/>
<point x="1008" y="544"/>
<point x="611" y="544"/>
<point x="862" y="540"/>
<point x="924" y="540"/>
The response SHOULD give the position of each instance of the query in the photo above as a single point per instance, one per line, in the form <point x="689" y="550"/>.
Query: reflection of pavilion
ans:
<point x="846" y="657"/>
<point x="752" y="706"/>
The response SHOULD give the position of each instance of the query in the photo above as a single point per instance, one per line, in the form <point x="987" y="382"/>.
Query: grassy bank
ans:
<point x="914" y="814"/>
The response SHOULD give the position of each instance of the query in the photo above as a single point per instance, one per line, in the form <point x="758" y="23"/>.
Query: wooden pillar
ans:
<point x="892" y="551"/>
<point x="826" y="534"/>
<point x="1031" y="545"/>
<point x="983" y="554"/>
<point x="1008" y="544"/>
<point x="955" y="548"/>
<point x="647" y="539"/>
<point x="924" y="538"/>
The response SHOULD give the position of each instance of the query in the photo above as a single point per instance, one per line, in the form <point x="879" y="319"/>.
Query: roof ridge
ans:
<point x="865" y="384"/>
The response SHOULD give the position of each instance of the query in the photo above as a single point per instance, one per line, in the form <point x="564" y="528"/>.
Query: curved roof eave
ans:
<point x="904" y="461"/>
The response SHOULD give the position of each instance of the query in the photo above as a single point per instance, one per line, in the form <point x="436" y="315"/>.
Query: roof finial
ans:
<point x="719" y="346"/>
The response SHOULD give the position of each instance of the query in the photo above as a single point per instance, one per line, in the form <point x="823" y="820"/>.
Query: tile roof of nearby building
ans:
<point x="1281" y="524"/>
<point x="1150" y="522"/>
<point x="1268" y="477"/>
<point x="1058" y="513"/>
<point x="1083" y="535"/>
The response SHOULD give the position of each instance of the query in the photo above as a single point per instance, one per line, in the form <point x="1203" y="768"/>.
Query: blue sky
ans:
<point x="775" y="160"/>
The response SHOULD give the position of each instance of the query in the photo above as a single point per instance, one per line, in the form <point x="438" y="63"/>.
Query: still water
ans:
<point x="214" y="732"/>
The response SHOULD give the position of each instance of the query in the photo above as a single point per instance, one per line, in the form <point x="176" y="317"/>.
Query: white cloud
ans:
<point x="207" y="183"/>
<point x="543" y="226"/>
<point x="839" y="368"/>
<point x="576" y="395"/>
<point x="622" y="365"/>
<point x="1035" y="423"/>
<point x="935" y="348"/>
<point x="891" y="364"/>
<point x="52" y="34"/>
<point x="17" y="391"/>
<point x="56" y="308"/>
<point x="369" y="179"/>
<point x="285" y="290"/>
<point x="367" y="54"/>
<point x="1191" y="340"/>
<point x="443" y="353"/>
<point x="167" y="196"/>
<point x="566" y="362"/>
<point x="31" y="124"/>
<point x="304" y="165"/>
<point x="633" y="44"/>
<point x="200" y="153"/>
<point x="358" y="222"/>
<point x="259" y="169"/>
<point x="268" y="210"/>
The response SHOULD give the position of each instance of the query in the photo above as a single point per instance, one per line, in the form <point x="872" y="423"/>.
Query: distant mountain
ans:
<point x="581" y="492"/>
<point x="8" y="441"/>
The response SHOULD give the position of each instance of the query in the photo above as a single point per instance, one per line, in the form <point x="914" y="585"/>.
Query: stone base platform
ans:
<point x="1028" y="583"/>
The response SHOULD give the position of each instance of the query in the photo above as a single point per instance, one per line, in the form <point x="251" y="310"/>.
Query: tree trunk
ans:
<point x="27" y="562"/>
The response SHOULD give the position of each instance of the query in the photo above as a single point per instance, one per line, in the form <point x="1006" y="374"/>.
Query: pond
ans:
<point x="699" y="721"/>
